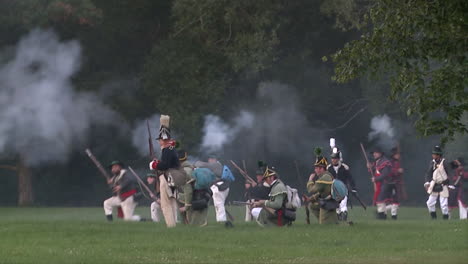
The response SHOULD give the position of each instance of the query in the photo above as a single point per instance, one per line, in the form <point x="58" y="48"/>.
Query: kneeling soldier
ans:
<point x="320" y="182"/>
<point x="272" y="211"/>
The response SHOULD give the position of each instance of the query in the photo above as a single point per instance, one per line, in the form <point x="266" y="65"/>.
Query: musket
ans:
<point x="150" y="141"/>
<point x="98" y="164"/>
<point x="241" y="203"/>
<point x="367" y="162"/>
<point x="355" y="195"/>
<point x="142" y="183"/>
<point x="243" y="173"/>
<point x="306" y="203"/>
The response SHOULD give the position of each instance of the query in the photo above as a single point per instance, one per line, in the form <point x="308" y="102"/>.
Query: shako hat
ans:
<point x="261" y="167"/>
<point x="164" y="127"/>
<point x="437" y="150"/>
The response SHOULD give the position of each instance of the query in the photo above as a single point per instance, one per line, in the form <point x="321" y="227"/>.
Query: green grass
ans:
<point x="81" y="235"/>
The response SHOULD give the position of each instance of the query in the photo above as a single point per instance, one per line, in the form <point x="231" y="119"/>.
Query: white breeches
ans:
<point x="256" y="212"/>
<point x="155" y="209"/>
<point x="431" y="203"/>
<point x="168" y="203"/>
<point x="219" y="198"/>
<point x="463" y="210"/>
<point x="343" y="206"/>
<point x="384" y="208"/>
<point x="128" y="207"/>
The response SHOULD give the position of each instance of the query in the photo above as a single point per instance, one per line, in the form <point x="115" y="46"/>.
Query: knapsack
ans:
<point x="227" y="174"/>
<point x="204" y="178"/>
<point x="338" y="190"/>
<point x="294" y="201"/>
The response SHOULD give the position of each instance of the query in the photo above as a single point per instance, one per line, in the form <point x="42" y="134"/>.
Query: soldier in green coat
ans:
<point x="321" y="203"/>
<point x="186" y="194"/>
<point x="271" y="212"/>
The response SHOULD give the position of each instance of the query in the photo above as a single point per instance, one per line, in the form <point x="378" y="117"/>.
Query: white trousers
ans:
<point x="128" y="207"/>
<point x="463" y="210"/>
<point x="384" y="208"/>
<point x="431" y="203"/>
<point x="168" y="202"/>
<point x="219" y="198"/>
<point x="256" y="212"/>
<point x="343" y="206"/>
<point x="155" y="209"/>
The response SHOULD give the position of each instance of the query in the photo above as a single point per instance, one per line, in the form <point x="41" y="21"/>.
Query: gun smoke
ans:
<point x="42" y="116"/>
<point x="383" y="132"/>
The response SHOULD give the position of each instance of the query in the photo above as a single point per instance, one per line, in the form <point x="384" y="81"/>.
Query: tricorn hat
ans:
<point x="320" y="161"/>
<point x="377" y="149"/>
<point x="116" y="162"/>
<point x="437" y="150"/>
<point x="164" y="128"/>
<point x="270" y="171"/>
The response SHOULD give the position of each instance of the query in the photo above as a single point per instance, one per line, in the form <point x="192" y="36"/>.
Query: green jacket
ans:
<point x="186" y="190"/>
<point x="278" y="195"/>
<point x="322" y="186"/>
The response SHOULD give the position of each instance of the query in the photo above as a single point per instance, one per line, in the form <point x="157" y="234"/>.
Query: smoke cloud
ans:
<point x="272" y="129"/>
<point x="383" y="131"/>
<point x="42" y="116"/>
<point x="217" y="133"/>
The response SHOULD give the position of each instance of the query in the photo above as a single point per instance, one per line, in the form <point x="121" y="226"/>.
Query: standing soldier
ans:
<point x="319" y="184"/>
<point x="220" y="188"/>
<point x="271" y="212"/>
<point x="124" y="188"/>
<point x="169" y="160"/>
<point x="394" y="185"/>
<point x="155" y="205"/>
<point x="382" y="169"/>
<point x="256" y="191"/>
<point x="340" y="171"/>
<point x="437" y="184"/>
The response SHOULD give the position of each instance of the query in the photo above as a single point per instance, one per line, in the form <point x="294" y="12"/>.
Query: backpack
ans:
<point x="204" y="178"/>
<point x="294" y="201"/>
<point x="227" y="174"/>
<point x="338" y="190"/>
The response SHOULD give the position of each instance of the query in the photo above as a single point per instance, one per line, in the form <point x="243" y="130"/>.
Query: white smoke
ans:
<point x="42" y="117"/>
<point x="217" y="133"/>
<point x="140" y="135"/>
<point x="383" y="131"/>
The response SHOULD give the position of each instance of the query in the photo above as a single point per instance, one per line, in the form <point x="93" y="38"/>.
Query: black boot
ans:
<point x="433" y="215"/>
<point x="340" y="216"/>
<point x="382" y="216"/>
<point x="109" y="218"/>
<point x="228" y="224"/>
<point x="394" y="217"/>
<point x="445" y="216"/>
<point x="344" y="216"/>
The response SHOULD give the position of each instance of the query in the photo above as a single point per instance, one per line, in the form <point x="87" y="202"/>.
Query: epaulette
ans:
<point x="345" y="166"/>
<point x="328" y="166"/>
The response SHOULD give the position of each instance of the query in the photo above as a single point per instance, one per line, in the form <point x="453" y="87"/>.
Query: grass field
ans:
<point x="81" y="235"/>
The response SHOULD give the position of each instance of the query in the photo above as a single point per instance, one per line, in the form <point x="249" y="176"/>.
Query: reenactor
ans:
<point x="461" y="182"/>
<point x="341" y="171"/>
<point x="319" y="184"/>
<point x="271" y="212"/>
<point x="167" y="167"/>
<point x="436" y="184"/>
<point x="155" y="207"/>
<point x="256" y="191"/>
<point x="382" y="169"/>
<point x="124" y="188"/>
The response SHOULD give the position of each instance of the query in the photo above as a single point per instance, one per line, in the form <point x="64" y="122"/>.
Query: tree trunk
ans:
<point x="25" y="187"/>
